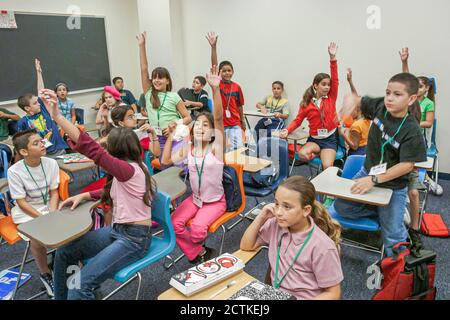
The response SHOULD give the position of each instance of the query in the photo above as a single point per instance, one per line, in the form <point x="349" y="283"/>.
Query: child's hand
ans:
<point x="263" y="109"/>
<point x="349" y="75"/>
<point x="284" y="134"/>
<point x="268" y="212"/>
<point x="50" y="101"/>
<point x="170" y="130"/>
<point x="212" y="38"/>
<point x="277" y="115"/>
<point x="351" y="101"/>
<point x="141" y="38"/>
<point x="404" y="54"/>
<point x="37" y="64"/>
<point x="332" y="50"/>
<point x="148" y="128"/>
<point x="73" y="201"/>
<point x="362" y="186"/>
<point x="213" y="78"/>
<point x="2" y="115"/>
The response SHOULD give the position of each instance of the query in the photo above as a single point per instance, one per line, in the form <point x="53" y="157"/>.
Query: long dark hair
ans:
<point x="309" y="93"/>
<point x="160" y="73"/>
<point x="210" y="119"/>
<point x="415" y="111"/>
<point x="319" y="213"/>
<point x="430" y="84"/>
<point x="124" y="144"/>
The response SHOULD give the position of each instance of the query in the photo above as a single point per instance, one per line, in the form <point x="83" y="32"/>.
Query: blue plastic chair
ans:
<point x="264" y="152"/>
<point x="4" y="160"/>
<point x="317" y="162"/>
<point x="148" y="161"/>
<point x="352" y="166"/>
<point x="79" y="112"/>
<point x="159" y="248"/>
<point x="210" y="105"/>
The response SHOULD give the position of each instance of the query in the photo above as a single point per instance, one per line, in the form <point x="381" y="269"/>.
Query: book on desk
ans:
<point x="74" y="158"/>
<point x="206" y="274"/>
<point x="257" y="290"/>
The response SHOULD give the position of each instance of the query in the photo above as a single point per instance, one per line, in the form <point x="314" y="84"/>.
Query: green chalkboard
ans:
<point x="78" y="57"/>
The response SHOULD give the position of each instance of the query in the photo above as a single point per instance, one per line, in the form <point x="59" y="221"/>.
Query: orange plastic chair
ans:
<point x="156" y="164"/>
<point x="8" y="231"/>
<point x="63" y="189"/>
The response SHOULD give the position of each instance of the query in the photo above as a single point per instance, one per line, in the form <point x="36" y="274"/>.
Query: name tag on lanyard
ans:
<point x="379" y="169"/>
<point x="322" y="133"/>
<point x="268" y="122"/>
<point x="198" y="201"/>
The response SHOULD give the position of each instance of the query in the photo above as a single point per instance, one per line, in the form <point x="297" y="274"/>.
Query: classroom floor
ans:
<point x="156" y="279"/>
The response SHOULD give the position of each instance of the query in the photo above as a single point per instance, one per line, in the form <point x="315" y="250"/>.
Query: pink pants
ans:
<point x="190" y="239"/>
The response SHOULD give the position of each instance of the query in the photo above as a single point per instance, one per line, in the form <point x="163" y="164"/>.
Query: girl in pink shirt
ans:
<point x="207" y="203"/>
<point x="303" y="242"/>
<point x="128" y="192"/>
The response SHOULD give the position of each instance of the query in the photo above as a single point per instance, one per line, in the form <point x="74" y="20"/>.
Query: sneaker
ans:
<point x="47" y="280"/>
<point x="407" y="217"/>
<point x="436" y="188"/>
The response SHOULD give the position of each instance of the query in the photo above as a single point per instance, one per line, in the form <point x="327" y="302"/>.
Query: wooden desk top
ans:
<point x="426" y="164"/>
<point x="170" y="182"/>
<point x="59" y="228"/>
<point x="329" y="183"/>
<point x="251" y="164"/>
<point x="257" y="113"/>
<point x="74" y="167"/>
<point x="294" y="136"/>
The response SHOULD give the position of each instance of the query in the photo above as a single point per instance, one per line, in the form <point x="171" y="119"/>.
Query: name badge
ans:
<point x="44" y="210"/>
<point x="268" y="122"/>
<point x="228" y="114"/>
<point x="377" y="170"/>
<point x="198" y="201"/>
<point x="47" y="143"/>
<point x="322" y="132"/>
<point x="158" y="131"/>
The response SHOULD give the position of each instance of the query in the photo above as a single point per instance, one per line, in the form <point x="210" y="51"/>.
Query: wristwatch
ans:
<point x="375" y="180"/>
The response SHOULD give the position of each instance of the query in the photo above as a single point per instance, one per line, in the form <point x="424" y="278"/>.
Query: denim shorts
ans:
<point x="328" y="143"/>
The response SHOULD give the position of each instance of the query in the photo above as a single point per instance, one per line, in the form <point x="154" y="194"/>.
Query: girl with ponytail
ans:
<point x="319" y="108"/>
<point x="303" y="242"/>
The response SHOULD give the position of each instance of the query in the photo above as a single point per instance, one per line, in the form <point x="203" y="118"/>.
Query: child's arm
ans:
<point x="54" y="200"/>
<point x="74" y="116"/>
<point x="351" y="103"/>
<point x="295" y="124"/>
<point x="194" y="104"/>
<point x="428" y="123"/>
<point x="351" y="137"/>
<point x="183" y="111"/>
<point x="27" y="208"/>
<point x="332" y="293"/>
<point x="332" y="51"/>
<point x="145" y="79"/>
<point x="102" y="114"/>
<point x="5" y="114"/>
<point x="350" y="81"/>
<point x="212" y="39"/>
<point x="249" y="239"/>
<point x="404" y="56"/>
<point x="80" y="198"/>
<point x="155" y="147"/>
<point x="213" y="79"/>
<point x="40" y="79"/>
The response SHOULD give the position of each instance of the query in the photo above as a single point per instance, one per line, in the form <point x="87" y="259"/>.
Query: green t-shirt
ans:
<point x="4" y="133"/>
<point x="276" y="105"/>
<point x="167" y="111"/>
<point x="426" y="106"/>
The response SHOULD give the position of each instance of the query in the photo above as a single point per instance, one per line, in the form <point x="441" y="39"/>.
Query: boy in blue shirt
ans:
<point x="38" y="118"/>
<point x="126" y="95"/>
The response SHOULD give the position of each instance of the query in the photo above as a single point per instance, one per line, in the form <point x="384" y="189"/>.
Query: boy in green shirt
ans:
<point x="5" y="116"/>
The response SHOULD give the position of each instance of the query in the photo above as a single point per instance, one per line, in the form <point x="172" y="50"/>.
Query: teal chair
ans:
<point x="160" y="247"/>
<point x="148" y="161"/>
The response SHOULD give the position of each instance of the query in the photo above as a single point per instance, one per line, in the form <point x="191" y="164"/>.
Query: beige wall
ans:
<point x="287" y="40"/>
<point x="122" y="26"/>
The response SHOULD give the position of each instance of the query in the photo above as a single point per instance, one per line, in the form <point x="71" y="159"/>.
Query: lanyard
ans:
<point x="277" y="283"/>
<point x="160" y="107"/>
<point x="200" y="172"/>
<point x="272" y="107"/>
<point x="229" y="96"/>
<point x="392" y="138"/>
<point x="44" y="195"/>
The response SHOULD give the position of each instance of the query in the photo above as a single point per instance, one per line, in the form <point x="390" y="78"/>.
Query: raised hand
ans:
<point x="404" y="54"/>
<point x="351" y="101"/>
<point x="332" y="50"/>
<point x="50" y="100"/>
<point x="37" y="64"/>
<point x="141" y="38"/>
<point x="213" y="78"/>
<point x="349" y="75"/>
<point x="212" y="38"/>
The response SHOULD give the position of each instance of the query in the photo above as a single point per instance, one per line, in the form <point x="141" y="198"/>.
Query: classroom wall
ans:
<point x="121" y="27"/>
<point x="287" y="40"/>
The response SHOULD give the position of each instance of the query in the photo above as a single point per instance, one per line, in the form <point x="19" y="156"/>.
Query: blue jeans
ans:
<point x="233" y="136"/>
<point x="109" y="249"/>
<point x="393" y="228"/>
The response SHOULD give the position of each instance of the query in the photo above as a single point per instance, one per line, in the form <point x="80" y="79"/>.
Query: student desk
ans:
<point x="330" y="184"/>
<point x="92" y="127"/>
<point x="428" y="165"/>
<point x="296" y="137"/>
<point x="74" y="167"/>
<point x="251" y="164"/>
<point x="241" y="278"/>
<point x="59" y="228"/>
<point x="170" y="182"/>
<point x="256" y="113"/>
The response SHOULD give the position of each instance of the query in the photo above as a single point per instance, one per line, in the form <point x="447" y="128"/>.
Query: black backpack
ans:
<point x="232" y="189"/>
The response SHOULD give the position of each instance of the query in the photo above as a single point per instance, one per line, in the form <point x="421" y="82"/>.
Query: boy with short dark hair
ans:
<point x="395" y="145"/>
<point x="126" y="95"/>
<point x="232" y="99"/>
<point x="38" y="118"/>
<point x="196" y="97"/>
<point x="33" y="183"/>
<point x="5" y="117"/>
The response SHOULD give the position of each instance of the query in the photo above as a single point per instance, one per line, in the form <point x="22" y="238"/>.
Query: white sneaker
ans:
<point x="407" y="217"/>
<point x="436" y="188"/>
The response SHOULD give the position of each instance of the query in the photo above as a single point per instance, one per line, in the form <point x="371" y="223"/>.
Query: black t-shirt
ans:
<point x="189" y="94"/>
<point x="407" y="146"/>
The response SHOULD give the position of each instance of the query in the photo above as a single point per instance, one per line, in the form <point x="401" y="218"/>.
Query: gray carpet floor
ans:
<point x="354" y="261"/>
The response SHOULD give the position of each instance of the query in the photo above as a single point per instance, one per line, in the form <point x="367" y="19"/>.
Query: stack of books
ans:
<point x="74" y="158"/>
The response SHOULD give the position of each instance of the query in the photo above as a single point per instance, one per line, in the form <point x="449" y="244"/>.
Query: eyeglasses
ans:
<point x="132" y="117"/>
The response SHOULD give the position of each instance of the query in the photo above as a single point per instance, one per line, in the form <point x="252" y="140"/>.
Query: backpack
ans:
<point x="434" y="226"/>
<point x="408" y="277"/>
<point x="232" y="189"/>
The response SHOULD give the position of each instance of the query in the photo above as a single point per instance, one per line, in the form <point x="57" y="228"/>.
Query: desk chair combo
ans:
<point x="9" y="232"/>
